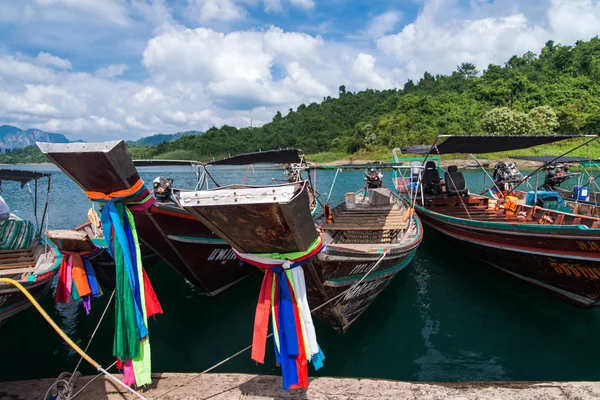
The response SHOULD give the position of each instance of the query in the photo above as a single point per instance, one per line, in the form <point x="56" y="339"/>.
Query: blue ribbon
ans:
<point x="115" y="221"/>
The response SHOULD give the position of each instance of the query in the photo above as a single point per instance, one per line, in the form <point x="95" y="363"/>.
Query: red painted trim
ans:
<point x="156" y="210"/>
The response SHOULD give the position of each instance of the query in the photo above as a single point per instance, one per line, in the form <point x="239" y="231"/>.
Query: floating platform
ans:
<point x="174" y="386"/>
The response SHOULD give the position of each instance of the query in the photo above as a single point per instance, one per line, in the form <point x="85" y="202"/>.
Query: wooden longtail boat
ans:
<point x="557" y="251"/>
<point x="26" y="255"/>
<point x="580" y="200"/>
<point x="168" y="230"/>
<point x="373" y="237"/>
<point x="88" y="238"/>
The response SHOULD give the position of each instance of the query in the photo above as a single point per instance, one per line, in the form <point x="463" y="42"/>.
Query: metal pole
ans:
<point x="556" y="158"/>
<point x="486" y="174"/>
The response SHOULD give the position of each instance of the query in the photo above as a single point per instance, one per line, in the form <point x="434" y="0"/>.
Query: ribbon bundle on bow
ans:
<point x="77" y="279"/>
<point x="283" y="297"/>
<point x="135" y="297"/>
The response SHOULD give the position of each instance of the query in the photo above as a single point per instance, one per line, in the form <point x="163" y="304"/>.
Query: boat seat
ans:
<point x="455" y="182"/>
<point x="432" y="183"/>
<point x="19" y="258"/>
<point x="16" y="234"/>
<point x="374" y="226"/>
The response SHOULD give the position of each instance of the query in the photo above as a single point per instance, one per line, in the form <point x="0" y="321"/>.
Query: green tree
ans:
<point x="467" y="71"/>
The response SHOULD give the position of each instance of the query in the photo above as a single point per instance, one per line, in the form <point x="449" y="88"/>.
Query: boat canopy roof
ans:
<point x="487" y="143"/>
<point x="548" y="159"/>
<point x="21" y="176"/>
<point x="282" y="156"/>
<point x="163" y="163"/>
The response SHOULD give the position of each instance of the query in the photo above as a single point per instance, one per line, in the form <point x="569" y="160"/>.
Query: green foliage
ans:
<point x="503" y="120"/>
<point x="141" y="153"/>
<point x="177" y="155"/>
<point x="555" y="92"/>
<point x="27" y="155"/>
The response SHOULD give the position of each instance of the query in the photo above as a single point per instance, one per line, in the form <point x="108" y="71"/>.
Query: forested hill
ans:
<point x="555" y="91"/>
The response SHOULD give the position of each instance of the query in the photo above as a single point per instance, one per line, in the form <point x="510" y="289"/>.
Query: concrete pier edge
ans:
<point x="172" y="386"/>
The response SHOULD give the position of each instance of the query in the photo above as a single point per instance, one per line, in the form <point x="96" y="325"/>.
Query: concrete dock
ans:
<point x="172" y="386"/>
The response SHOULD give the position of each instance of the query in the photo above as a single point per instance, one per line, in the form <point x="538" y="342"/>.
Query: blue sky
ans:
<point x="106" y="69"/>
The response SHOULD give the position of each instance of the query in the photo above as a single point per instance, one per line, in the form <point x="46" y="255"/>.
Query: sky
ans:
<point x="108" y="69"/>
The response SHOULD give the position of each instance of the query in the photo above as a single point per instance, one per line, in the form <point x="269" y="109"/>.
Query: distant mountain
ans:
<point x="161" y="137"/>
<point x="12" y="137"/>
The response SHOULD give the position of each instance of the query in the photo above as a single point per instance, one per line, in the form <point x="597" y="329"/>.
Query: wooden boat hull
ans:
<point x="201" y="257"/>
<point x="328" y="276"/>
<point x="560" y="259"/>
<point x="12" y="301"/>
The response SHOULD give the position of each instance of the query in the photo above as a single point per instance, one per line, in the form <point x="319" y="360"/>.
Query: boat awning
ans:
<point x="21" y="176"/>
<point x="283" y="156"/>
<point x="164" y="163"/>
<point x="547" y="159"/>
<point x="488" y="143"/>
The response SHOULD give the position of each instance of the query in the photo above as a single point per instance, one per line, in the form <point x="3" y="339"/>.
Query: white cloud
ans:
<point x="574" y="19"/>
<point x="234" y="10"/>
<point x="221" y="10"/>
<point x="365" y="74"/>
<point x="111" y="71"/>
<point x="13" y="69"/>
<point x="306" y="4"/>
<point x="437" y="45"/>
<point x="196" y="78"/>
<point x="273" y="6"/>
<point x="112" y="11"/>
<point x="44" y="58"/>
<point x="236" y="67"/>
<point x="382" y="24"/>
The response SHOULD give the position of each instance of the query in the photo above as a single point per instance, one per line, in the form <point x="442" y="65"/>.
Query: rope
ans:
<point x="93" y="333"/>
<point x="271" y="334"/>
<point x="92" y="380"/>
<point x="66" y="390"/>
<point x="64" y="336"/>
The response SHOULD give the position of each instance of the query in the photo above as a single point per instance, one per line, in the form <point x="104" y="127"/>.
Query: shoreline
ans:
<point x="461" y="163"/>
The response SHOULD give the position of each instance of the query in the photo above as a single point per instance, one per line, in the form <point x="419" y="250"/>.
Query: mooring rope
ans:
<point x="271" y="334"/>
<point x="67" y="339"/>
<point x="112" y="295"/>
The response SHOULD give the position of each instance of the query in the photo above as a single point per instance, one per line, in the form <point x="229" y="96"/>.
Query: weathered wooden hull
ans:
<point x="328" y="276"/>
<point x="248" y="219"/>
<point x="169" y="231"/>
<point x="563" y="260"/>
<point x="12" y="301"/>
<point x="210" y="263"/>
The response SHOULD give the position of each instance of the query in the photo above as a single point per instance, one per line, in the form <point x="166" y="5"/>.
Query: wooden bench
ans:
<point x="364" y="227"/>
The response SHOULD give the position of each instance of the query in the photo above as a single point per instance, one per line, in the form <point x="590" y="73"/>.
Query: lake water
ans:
<point x="447" y="317"/>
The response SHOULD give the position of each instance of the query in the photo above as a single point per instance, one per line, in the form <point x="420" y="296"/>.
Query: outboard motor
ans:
<point x="415" y="171"/>
<point x="556" y="173"/>
<point x="373" y="178"/>
<point x="163" y="189"/>
<point x="293" y="173"/>
<point x="506" y="174"/>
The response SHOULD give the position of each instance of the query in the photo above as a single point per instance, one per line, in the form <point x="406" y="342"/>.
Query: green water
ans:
<point x="447" y="317"/>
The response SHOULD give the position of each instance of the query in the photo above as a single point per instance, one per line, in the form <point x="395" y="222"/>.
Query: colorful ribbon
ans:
<point x="77" y="279"/>
<point x="135" y="297"/>
<point x="283" y="298"/>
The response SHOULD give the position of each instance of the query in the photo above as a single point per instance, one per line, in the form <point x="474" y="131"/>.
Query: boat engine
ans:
<point x="373" y="178"/>
<point x="293" y="173"/>
<point x="556" y="173"/>
<point x="163" y="189"/>
<point x="506" y="174"/>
